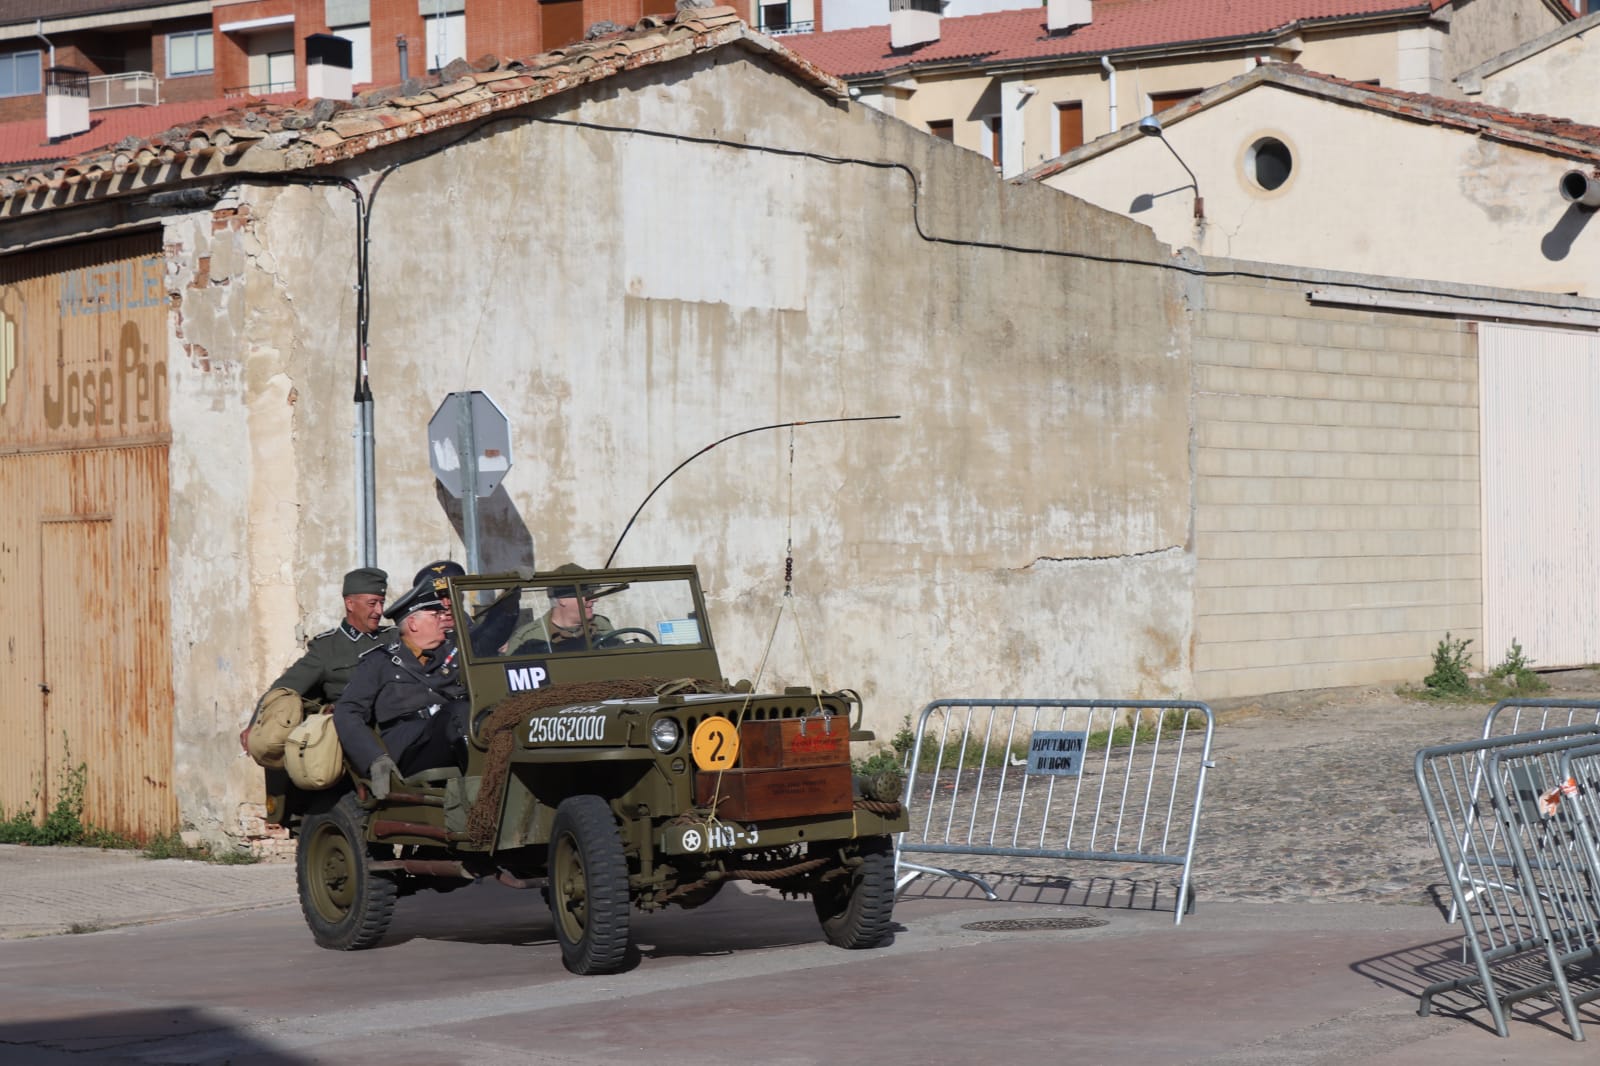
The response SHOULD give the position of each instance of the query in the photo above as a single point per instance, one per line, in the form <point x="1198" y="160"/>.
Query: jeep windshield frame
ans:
<point x="657" y="613"/>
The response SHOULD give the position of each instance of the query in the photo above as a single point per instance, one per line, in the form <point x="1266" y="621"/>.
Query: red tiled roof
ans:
<point x="1461" y="114"/>
<point x="1545" y="133"/>
<point x="148" y="148"/>
<point x="1118" y="25"/>
<point x="14" y="11"/>
<point x="25" y="142"/>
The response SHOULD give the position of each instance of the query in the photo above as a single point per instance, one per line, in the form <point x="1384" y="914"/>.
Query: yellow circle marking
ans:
<point x="715" y="744"/>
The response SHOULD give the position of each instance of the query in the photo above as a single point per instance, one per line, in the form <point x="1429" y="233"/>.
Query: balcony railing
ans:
<point x="260" y="89"/>
<point x="138" y="88"/>
<point x="789" y="27"/>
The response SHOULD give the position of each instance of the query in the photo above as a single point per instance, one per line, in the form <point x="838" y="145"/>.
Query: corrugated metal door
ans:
<point x="85" y="644"/>
<point x="74" y="555"/>
<point x="1539" y="401"/>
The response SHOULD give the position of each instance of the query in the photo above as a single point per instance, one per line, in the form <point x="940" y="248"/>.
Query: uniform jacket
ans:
<point x="331" y="656"/>
<point x="544" y="635"/>
<point x="391" y="686"/>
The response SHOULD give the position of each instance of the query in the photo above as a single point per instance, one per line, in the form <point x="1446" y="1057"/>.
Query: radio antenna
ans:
<point x="724" y="440"/>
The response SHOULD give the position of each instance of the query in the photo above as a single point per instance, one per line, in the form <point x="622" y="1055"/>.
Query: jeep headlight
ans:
<point x="665" y="734"/>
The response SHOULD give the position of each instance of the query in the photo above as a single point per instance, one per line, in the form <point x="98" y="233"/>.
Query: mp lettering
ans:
<point x="525" y="678"/>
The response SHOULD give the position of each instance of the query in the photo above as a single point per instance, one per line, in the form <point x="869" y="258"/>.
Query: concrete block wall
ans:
<point x="1336" y="490"/>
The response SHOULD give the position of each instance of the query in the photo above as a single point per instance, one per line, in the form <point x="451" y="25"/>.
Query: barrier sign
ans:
<point x="1060" y="754"/>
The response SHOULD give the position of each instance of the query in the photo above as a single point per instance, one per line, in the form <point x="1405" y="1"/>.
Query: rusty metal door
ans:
<point x="85" y="641"/>
<point x="74" y="557"/>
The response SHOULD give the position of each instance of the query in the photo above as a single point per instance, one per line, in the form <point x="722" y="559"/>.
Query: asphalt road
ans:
<point x="473" y="977"/>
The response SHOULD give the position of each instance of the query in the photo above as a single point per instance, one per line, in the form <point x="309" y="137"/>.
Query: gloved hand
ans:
<point x="378" y="775"/>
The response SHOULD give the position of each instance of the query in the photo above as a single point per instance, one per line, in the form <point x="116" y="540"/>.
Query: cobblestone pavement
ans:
<point x="1312" y="799"/>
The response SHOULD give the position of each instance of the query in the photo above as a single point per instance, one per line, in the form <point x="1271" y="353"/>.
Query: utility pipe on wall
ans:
<point x="1111" y="84"/>
<point x="38" y="31"/>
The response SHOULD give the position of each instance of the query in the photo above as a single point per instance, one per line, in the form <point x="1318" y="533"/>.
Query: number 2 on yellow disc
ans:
<point x="715" y="744"/>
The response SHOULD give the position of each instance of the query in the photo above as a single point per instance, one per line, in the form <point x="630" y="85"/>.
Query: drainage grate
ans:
<point x="1031" y="925"/>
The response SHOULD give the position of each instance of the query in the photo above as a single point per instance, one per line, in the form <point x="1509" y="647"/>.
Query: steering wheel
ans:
<point x="607" y="640"/>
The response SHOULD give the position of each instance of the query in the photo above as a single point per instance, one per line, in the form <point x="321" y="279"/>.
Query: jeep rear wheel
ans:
<point x="346" y="905"/>
<point x="589" y="886"/>
<point x="857" y="909"/>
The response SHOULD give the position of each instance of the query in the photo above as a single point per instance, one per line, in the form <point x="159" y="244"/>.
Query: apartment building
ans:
<point x="169" y="51"/>
<point x="1026" y="85"/>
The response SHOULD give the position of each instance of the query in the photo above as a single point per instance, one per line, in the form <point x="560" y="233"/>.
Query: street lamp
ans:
<point x="1150" y="126"/>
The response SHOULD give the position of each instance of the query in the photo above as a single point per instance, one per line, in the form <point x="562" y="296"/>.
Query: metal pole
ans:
<point x="369" y="483"/>
<point x="467" y="446"/>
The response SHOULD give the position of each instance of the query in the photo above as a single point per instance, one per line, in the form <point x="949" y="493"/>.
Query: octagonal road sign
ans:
<point x="469" y="439"/>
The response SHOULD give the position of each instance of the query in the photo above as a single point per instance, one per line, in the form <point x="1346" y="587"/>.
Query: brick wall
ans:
<point x="1336" y="493"/>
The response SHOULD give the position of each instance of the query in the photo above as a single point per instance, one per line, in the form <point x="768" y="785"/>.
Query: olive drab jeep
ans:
<point x="614" y="768"/>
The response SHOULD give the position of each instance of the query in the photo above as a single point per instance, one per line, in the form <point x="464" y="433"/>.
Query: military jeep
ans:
<point x="615" y="769"/>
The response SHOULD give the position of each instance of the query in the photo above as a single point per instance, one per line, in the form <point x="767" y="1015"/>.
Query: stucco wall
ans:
<point x="1336" y="519"/>
<point x="1482" y="29"/>
<point x="1448" y="206"/>
<point x="628" y="299"/>
<point x="1562" y="80"/>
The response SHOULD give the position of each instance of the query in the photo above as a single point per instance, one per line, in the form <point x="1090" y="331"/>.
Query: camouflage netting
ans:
<point x="499" y="733"/>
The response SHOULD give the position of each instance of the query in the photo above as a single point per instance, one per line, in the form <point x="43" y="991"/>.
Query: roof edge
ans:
<point x="263" y="141"/>
<point x="1471" y="79"/>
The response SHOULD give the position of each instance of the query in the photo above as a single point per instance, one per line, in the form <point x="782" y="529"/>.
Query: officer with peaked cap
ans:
<point x="410" y="690"/>
<point x="493" y="626"/>
<point x="324" y="670"/>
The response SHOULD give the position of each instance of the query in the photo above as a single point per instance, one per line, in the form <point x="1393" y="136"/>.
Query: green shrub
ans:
<point x="1450" y="663"/>
<point x="171" y="846"/>
<point x="1516" y="675"/>
<point x="63" y="824"/>
<point x="893" y="757"/>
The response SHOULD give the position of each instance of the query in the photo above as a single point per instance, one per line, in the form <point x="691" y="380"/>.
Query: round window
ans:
<point x="1269" y="163"/>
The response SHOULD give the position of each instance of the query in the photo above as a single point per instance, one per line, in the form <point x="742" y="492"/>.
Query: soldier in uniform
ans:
<point x="323" y="671"/>
<point x="562" y="627"/>
<point x="410" y="690"/>
<point x="331" y="656"/>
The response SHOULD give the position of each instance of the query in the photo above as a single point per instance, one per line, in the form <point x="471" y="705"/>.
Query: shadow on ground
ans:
<point x="1441" y="963"/>
<point x="136" y="1036"/>
<point x="1024" y="886"/>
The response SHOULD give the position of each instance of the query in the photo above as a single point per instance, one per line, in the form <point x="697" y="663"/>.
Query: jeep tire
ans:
<point x="589" y="886"/>
<point x="857" y="910"/>
<point x="346" y="904"/>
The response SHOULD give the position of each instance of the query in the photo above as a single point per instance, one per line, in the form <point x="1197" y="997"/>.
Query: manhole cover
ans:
<point x="1031" y="925"/>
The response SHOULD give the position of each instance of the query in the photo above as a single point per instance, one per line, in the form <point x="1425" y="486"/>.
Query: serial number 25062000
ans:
<point x="567" y="728"/>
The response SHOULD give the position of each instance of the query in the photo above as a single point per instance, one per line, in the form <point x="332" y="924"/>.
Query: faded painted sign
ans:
<point x="81" y="347"/>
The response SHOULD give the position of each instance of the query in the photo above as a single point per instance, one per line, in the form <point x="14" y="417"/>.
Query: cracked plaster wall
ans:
<point x="237" y="494"/>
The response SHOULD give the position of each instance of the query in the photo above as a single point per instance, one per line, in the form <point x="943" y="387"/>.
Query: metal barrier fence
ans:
<point x="1528" y="716"/>
<point x="1105" y="780"/>
<point x="1515" y="716"/>
<point x="1521" y="877"/>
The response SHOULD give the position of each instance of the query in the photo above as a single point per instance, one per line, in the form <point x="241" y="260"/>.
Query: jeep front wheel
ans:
<point x="589" y="886"/>
<point x="346" y="905"/>
<point x="856" y="909"/>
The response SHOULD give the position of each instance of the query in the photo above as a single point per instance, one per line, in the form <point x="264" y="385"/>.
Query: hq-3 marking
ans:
<point x="713" y="837"/>
<point x="567" y="729"/>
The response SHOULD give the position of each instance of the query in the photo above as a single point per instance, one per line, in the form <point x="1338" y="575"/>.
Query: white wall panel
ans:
<point x="1540" y="412"/>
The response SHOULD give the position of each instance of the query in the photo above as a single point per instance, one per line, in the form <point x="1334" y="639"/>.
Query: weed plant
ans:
<point x="63" y="826"/>
<point x="1451" y="678"/>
